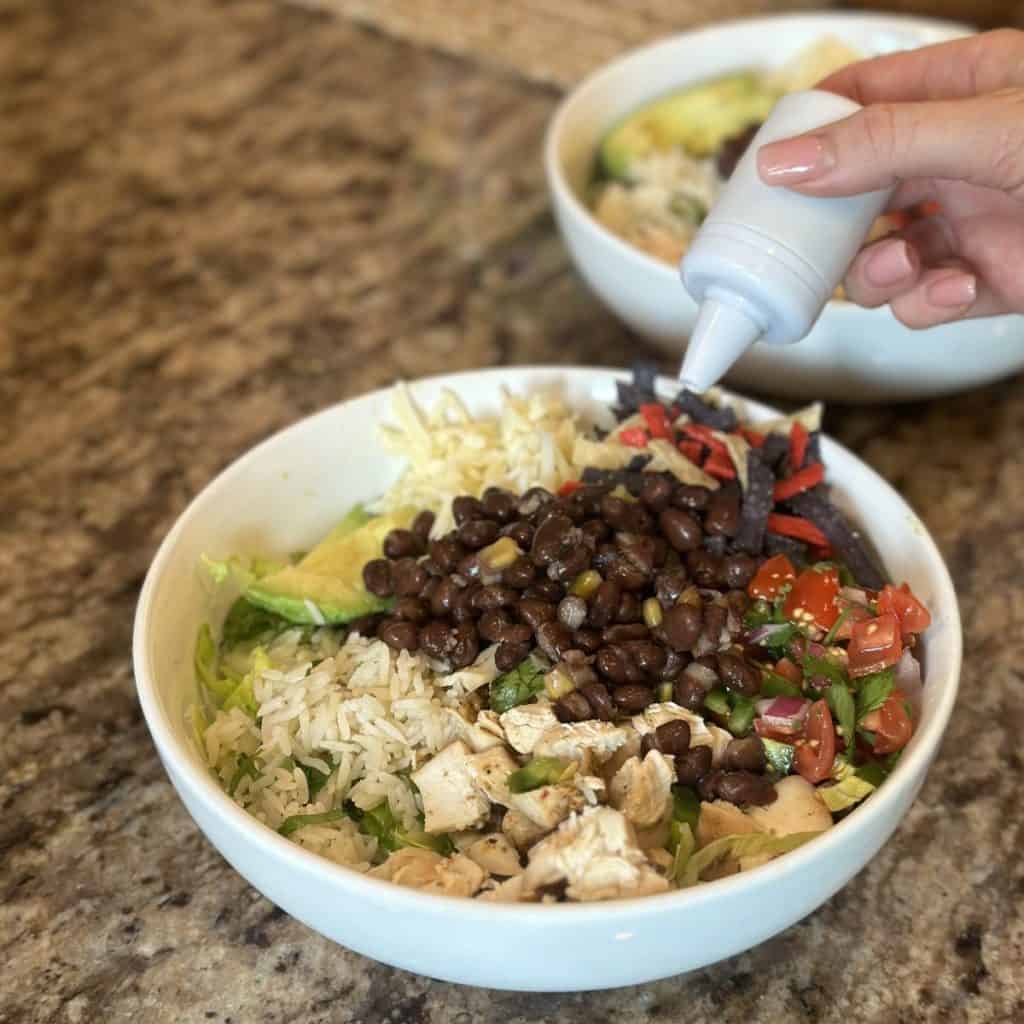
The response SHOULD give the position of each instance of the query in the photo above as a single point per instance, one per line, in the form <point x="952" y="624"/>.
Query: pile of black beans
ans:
<point x="633" y="594"/>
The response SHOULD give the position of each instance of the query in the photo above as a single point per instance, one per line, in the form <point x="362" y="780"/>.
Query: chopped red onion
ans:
<point x="908" y="679"/>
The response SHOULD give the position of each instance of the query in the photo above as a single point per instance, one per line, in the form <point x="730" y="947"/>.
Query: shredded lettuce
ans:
<point x="682" y="843"/>
<point x="381" y="823"/>
<point x="242" y="696"/>
<point x="206" y="663"/>
<point x="246" y="621"/>
<point x="245" y="766"/>
<point x="750" y="844"/>
<point x="685" y="806"/>
<point x="518" y="686"/>
<point x="845" y="793"/>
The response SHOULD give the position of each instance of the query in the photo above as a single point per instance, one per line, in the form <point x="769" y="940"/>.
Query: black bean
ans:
<point x="675" y="662"/>
<point x="422" y="525"/>
<point x="377" y="577"/>
<point x="465" y="508"/>
<point x="691" y="497"/>
<point x="572" y="510"/>
<point x="689" y="693"/>
<point x="533" y="501"/>
<point x="596" y="531"/>
<point x="631" y="609"/>
<point x="705" y="569"/>
<point x="399" y="635"/>
<point x="520" y="574"/>
<point x="443" y="595"/>
<point x="521" y="532"/>
<point x="657" y="490"/>
<point x="617" y="512"/>
<point x="692" y="766"/>
<point x="605" y="604"/>
<point x="402" y="544"/>
<point x="478" y="533"/>
<point x="640" y="552"/>
<point x="707" y="787"/>
<point x="673" y="737"/>
<point x="545" y="590"/>
<point x="494" y="596"/>
<point x="469" y="567"/>
<point x="434" y="640"/>
<point x="366" y="625"/>
<point x="446" y="553"/>
<point x="714" y="624"/>
<point x="495" y="627"/>
<point x="507" y="656"/>
<point x="716" y="544"/>
<point x="650" y="658"/>
<point x="499" y="504"/>
<point x="466" y="646"/>
<point x="626" y="631"/>
<point x="746" y="788"/>
<point x="572" y="612"/>
<point x="723" y="513"/>
<point x="738" y="602"/>
<point x="571" y="564"/>
<point x="632" y="697"/>
<point x="745" y="755"/>
<point x="462" y="608"/>
<point x="409" y="577"/>
<point x="681" y="626"/>
<point x="587" y="640"/>
<point x="552" y="540"/>
<point x="616" y="664"/>
<point x="738" y="676"/>
<point x="573" y="707"/>
<point x="660" y="550"/>
<point x="605" y="557"/>
<point x="535" y="613"/>
<point x="738" y="571"/>
<point x="643" y="521"/>
<point x="681" y="530"/>
<point x="669" y="585"/>
<point x="553" y="639"/>
<point x="415" y="609"/>
<point x="648" y="742"/>
<point x="600" y="700"/>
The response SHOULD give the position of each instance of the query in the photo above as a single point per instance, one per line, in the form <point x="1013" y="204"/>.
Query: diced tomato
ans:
<point x="569" y="487"/>
<point x="789" y="670"/>
<point x="890" y="724"/>
<point x="674" y="412"/>
<point x="852" y="613"/>
<point x="773" y="575"/>
<point x="777" y="732"/>
<point x="798" y="438"/>
<point x="752" y="437"/>
<point x="720" y="466"/>
<point x="693" y="450"/>
<point x="798" y="528"/>
<point x="813" y="598"/>
<point x="633" y="437"/>
<point x="913" y="616"/>
<point x="657" y="420"/>
<point x="699" y="432"/>
<point x="874" y="644"/>
<point x="802" y="480"/>
<point x="817" y="750"/>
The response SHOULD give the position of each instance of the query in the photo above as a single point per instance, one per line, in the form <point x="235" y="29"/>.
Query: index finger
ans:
<point x="958" y="69"/>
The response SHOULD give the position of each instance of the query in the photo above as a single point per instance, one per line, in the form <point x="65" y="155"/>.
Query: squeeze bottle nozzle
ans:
<point x="767" y="259"/>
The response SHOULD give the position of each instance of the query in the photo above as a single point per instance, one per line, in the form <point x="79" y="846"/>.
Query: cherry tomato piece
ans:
<point x="789" y="670"/>
<point x="890" y="724"/>
<point x="913" y="616"/>
<point x="773" y="575"/>
<point x="817" y="750"/>
<point x="874" y="644"/>
<point x="813" y="598"/>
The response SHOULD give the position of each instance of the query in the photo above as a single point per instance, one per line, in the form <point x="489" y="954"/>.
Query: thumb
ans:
<point x="979" y="140"/>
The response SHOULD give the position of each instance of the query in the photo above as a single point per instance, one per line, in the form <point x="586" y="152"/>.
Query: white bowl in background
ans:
<point x="852" y="354"/>
<point x="283" y="496"/>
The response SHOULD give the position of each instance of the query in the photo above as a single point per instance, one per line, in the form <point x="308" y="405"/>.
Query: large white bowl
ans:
<point x="283" y="496"/>
<point x="852" y="354"/>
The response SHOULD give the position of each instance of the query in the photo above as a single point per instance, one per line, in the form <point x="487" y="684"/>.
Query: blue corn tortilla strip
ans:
<point x="813" y="453"/>
<point x="776" y="544"/>
<point x="758" y="501"/>
<point x="700" y="412"/>
<point x="774" y="451"/>
<point x="716" y="543"/>
<point x="847" y="541"/>
<point x="639" y="391"/>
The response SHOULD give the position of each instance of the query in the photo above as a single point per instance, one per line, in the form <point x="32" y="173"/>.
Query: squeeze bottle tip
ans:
<point x="720" y="336"/>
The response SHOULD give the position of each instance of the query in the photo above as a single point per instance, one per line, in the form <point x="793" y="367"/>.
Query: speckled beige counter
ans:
<point x="218" y="217"/>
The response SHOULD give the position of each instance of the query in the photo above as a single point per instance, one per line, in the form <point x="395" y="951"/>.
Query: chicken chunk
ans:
<point x="573" y="741"/>
<point x="798" y="808"/>
<point x="520" y="830"/>
<point x="549" y="805"/>
<point x="720" y="819"/>
<point x="424" y="869"/>
<point x="642" y="790"/>
<point x="472" y="677"/>
<point x="596" y="855"/>
<point x="490" y="770"/>
<point x="702" y="734"/>
<point x="525" y="725"/>
<point x="509" y="891"/>
<point x="451" y="799"/>
<point x="482" y="734"/>
<point x="495" y="854"/>
<point x="628" y="749"/>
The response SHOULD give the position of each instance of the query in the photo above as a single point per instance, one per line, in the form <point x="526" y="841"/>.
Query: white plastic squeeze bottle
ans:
<point x="766" y="259"/>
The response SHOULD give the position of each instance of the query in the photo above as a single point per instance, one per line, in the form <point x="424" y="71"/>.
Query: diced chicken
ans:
<point x="797" y="808"/>
<point x="490" y="770"/>
<point x="525" y="725"/>
<point x="572" y="741"/>
<point x="592" y="788"/>
<point x="424" y="869"/>
<point x="451" y="799"/>
<point x="509" y="891"/>
<point x="520" y="830"/>
<point x="484" y="733"/>
<point x="628" y="749"/>
<point x="596" y="855"/>
<point x="549" y="805"/>
<point x="702" y="734"/>
<point x="720" y="819"/>
<point x="472" y="677"/>
<point x="651" y="839"/>
<point x="495" y="854"/>
<point x="642" y="790"/>
<point x="660" y="857"/>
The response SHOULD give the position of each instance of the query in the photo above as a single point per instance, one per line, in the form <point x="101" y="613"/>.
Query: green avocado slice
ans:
<point x="699" y="119"/>
<point x="330" y="577"/>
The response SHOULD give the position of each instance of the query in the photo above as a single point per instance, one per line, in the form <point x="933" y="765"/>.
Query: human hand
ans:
<point x="945" y="124"/>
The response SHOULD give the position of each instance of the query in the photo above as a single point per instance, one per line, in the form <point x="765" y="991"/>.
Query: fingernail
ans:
<point x="953" y="291"/>
<point x="888" y="264"/>
<point x="792" y="161"/>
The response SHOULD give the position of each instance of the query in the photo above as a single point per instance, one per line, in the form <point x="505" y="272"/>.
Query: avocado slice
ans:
<point x="330" y="577"/>
<point x="699" y="119"/>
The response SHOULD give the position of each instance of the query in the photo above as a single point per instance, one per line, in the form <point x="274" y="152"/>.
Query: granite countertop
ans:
<point x="220" y="216"/>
